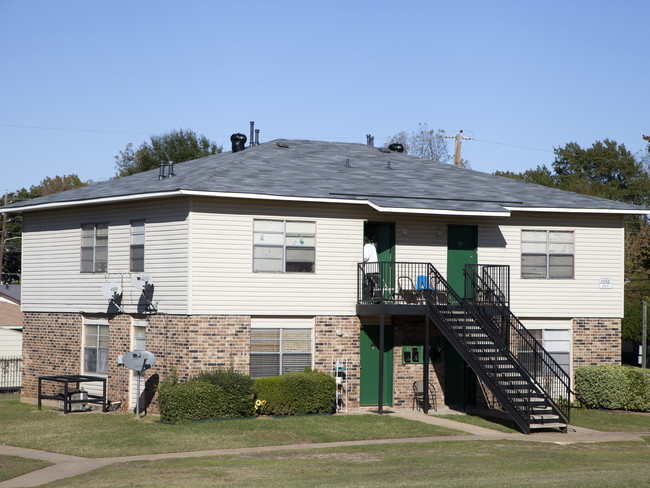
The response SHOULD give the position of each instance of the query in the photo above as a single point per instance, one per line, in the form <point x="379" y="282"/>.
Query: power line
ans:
<point x="109" y="131"/>
<point x="72" y="129"/>
<point x="512" y="145"/>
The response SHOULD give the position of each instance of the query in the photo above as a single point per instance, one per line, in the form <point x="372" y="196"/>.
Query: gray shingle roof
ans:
<point x="316" y="169"/>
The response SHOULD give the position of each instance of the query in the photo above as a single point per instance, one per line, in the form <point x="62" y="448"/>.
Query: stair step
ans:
<point x="551" y="425"/>
<point x="544" y="418"/>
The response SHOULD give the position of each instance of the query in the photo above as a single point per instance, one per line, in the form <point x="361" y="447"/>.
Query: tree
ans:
<point x="177" y="146"/>
<point x="13" y="233"/>
<point x="608" y="170"/>
<point x="426" y="143"/>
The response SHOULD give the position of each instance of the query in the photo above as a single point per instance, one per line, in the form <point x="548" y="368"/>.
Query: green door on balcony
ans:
<point x="462" y="249"/>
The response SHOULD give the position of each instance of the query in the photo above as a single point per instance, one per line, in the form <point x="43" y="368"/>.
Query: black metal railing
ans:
<point x="547" y="374"/>
<point x="10" y="373"/>
<point x="399" y="283"/>
<point x="480" y="326"/>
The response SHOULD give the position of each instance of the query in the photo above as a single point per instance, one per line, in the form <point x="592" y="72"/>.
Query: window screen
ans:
<point x="96" y="348"/>
<point x="137" y="246"/>
<point x="284" y="246"/>
<point x="279" y="351"/>
<point x="547" y="254"/>
<point x="94" y="248"/>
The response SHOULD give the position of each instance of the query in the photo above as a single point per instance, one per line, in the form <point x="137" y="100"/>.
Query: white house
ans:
<point x="252" y="260"/>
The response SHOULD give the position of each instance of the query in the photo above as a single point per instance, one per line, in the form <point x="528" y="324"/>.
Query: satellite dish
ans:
<point x="111" y="290"/>
<point x="140" y="280"/>
<point x="139" y="361"/>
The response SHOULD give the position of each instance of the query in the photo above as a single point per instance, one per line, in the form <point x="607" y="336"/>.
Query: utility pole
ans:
<point x="2" y="241"/>
<point x="459" y="137"/>
<point x="644" y="335"/>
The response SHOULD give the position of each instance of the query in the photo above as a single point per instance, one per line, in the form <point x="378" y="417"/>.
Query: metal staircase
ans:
<point x="526" y="381"/>
<point x="523" y="377"/>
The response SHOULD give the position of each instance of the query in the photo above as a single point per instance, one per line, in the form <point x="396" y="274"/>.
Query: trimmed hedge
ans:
<point x="614" y="387"/>
<point x="215" y="394"/>
<point x="297" y="393"/>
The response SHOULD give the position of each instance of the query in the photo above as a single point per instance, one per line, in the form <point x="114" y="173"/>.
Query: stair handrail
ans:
<point x="538" y="351"/>
<point x="491" y="333"/>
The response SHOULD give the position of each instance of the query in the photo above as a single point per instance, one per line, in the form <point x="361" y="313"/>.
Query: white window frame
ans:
<point x="282" y="241"/>
<point x="136" y="343"/>
<point x="548" y="253"/>
<point x="98" y="264"/>
<point x="91" y="330"/>
<point x="281" y="353"/>
<point x="137" y="242"/>
<point x="552" y="344"/>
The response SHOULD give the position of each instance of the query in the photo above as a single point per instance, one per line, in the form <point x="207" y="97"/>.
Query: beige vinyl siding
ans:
<point x="417" y="241"/>
<point x="51" y="277"/>
<point x="222" y="274"/>
<point x="598" y="254"/>
<point x="11" y="342"/>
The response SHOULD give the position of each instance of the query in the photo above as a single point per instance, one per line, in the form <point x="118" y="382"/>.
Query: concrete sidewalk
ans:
<point x="66" y="466"/>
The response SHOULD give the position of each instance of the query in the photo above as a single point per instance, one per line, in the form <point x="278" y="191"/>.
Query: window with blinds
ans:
<point x="94" y="248"/>
<point x="278" y="351"/>
<point x="137" y="246"/>
<point x="284" y="246"/>
<point x="547" y="254"/>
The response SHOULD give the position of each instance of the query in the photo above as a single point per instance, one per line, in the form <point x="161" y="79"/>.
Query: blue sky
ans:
<point x="80" y="80"/>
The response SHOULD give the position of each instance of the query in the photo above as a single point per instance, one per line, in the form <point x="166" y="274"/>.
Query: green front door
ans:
<point x="369" y="376"/>
<point x="462" y="247"/>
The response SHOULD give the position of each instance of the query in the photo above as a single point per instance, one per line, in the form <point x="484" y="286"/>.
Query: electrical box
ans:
<point x="413" y="353"/>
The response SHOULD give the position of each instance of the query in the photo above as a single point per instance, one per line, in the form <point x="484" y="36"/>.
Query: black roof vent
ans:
<point x="238" y="142"/>
<point x="396" y="147"/>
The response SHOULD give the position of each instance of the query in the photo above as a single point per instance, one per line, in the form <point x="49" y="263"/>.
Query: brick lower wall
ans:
<point x="596" y="341"/>
<point x="409" y="331"/>
<point x="52" y="345"/>
<point x="336" y="338"/>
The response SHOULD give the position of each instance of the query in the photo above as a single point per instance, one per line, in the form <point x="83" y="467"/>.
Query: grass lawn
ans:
<point x="440" y="464"/>
<point x="611" y="420"/>
<point x="12" y="466"/>
<point x="603" y="420"/>
<point x="120" y="434"/>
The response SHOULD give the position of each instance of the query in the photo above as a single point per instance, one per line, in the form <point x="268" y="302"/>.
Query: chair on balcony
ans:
<point x="406" y="290"/>
<point x="418" y="396"/>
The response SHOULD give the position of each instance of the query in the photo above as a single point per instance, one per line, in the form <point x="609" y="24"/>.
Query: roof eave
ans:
<point x="579" y="210"/>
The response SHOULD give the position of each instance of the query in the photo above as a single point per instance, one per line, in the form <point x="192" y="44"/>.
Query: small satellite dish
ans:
<point x="111" y="290"/>
<point x="139" y="361"/>
<point x="140" y="280"/>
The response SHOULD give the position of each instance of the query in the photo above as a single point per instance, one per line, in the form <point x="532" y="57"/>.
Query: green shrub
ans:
<point x="238" y="390"/>
<point x="193" y="400"/>
<point x="212" y="394"/>
<point x="613" y="387"/>
<point x="297" y="393"/>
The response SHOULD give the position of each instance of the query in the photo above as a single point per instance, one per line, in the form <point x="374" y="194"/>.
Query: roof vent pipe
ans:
<point x="252" y="127"/>
<point x="370" y="140"/>
<point x="161" y="172"/>
<point x="257" y="137"/>
<point x="238" y="142"/>
<point x="396" y="147"/>
<point x="171" y="169"/>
